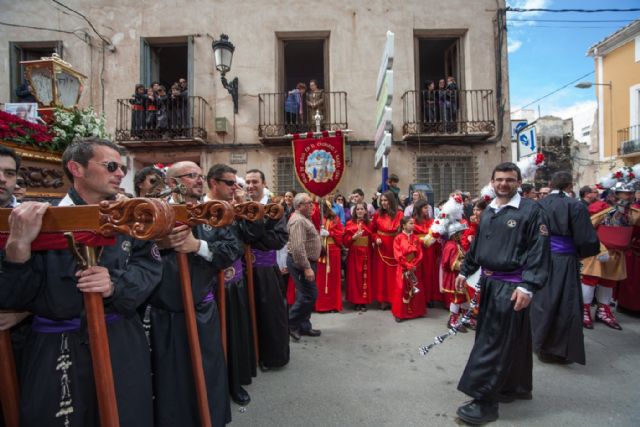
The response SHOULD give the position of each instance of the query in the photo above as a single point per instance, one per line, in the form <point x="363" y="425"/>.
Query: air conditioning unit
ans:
<point x="222" y="125"/>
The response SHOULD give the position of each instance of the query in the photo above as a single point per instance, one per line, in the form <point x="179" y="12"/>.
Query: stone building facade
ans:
<point x="278" y="43"/>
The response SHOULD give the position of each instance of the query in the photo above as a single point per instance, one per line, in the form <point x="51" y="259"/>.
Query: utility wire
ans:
<point x="551" y="93"/>
<point x="37" y="28"/>
<point x="103" y="38"/>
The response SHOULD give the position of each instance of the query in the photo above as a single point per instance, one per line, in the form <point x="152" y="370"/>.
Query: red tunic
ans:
<point x="451" y="262"/>
<point x="358" y="263"/>
<point x="405" y="304"/>
<point x="384" y="228"/>
<point x="428" y="270"/>
<point x="328" y="277"/>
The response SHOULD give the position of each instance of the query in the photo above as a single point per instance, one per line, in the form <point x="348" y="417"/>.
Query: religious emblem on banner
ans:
<point x="319" y="162"/>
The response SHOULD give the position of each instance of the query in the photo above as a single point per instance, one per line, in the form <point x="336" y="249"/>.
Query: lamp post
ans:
<point x="223" y="55"/>
<point x="587" y="85"/>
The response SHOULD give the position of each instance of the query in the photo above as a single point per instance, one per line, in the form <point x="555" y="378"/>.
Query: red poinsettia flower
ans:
<point x="617" y="175"/>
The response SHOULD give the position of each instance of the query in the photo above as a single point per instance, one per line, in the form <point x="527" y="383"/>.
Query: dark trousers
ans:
<point x="306" y="294"/>
<point x="500" y="361"/>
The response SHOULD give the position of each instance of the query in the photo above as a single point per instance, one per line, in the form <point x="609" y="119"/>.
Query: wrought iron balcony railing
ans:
<point x="172" y="119"/>
<point x="274" y="122"/>
<point x="453" y="113"/>
<point x="629" y="140"/>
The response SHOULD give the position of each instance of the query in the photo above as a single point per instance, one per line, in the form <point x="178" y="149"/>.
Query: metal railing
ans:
<point x="183" y="117"/>
<point x="629" y="140"/>
<point x="274" y="121"/>
<point x="448" y="112"/>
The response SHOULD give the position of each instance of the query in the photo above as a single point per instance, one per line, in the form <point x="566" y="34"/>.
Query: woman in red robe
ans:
<point x="428" y="272"/>
<point x="407" y="301"/>
<point x="328" y="276"/>
<point x="384" y="226"/>
<point x="357" y="238"/>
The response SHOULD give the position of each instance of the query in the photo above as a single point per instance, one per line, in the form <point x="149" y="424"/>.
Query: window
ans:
<point x="285" y="176"/>
<point x="437" y="57"/>
<point x="446" y="173"/>
<point x="304" y="56"/>
<point x="166" y="59"/>
<point x="28" y="51"/>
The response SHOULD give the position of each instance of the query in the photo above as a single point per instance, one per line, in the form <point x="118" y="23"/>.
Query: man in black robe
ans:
<point x="556" y="310"/>
<point x="271" y="307"/>
<point x="241" y="363"/>
<point x="57" y="380"/>
<point x="208" y="252"/>
<point x="512" y="248"/>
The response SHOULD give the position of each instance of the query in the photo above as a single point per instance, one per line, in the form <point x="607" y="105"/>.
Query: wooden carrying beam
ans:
<point x="140" y="218"/>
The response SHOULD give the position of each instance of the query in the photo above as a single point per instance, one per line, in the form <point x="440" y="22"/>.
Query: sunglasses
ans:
<point x="191" y="175"/>
<point x="227" y="182"/>
<point x="112" y="166"/>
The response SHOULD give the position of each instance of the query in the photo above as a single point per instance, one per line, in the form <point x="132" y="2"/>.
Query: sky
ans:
<point x="544" y="56"/>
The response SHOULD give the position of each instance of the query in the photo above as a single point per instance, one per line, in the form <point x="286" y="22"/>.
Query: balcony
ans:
<point x="448" y="116"/>
<point x="629" y="141"/>
<point x="183" y="123"/>
<point x="273" y="125"/>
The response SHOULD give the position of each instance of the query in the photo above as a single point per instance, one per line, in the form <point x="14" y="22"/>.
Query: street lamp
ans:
<point x="223" y="55"/>
<point x="587" y="85"/>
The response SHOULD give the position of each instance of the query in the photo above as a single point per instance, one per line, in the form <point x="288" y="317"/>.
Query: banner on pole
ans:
<point x="319" y="162"/>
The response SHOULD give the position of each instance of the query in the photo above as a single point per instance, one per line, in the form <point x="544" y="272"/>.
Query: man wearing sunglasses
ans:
<point x="209" y="250"/>
<point x="222" y="183"/>
<point x="50" y="285"/>
<point x="271" y="309"/>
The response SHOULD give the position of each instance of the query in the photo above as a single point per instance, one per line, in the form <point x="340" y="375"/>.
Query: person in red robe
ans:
<point x="452" y="256"/>
<point x="358" y="239"/>
<point x="427" y="272"/>
<point x="407" y="298"/>
<point x="629" y="289"/>
<point x="384" y="226"/>
<point x="329" y="275"/>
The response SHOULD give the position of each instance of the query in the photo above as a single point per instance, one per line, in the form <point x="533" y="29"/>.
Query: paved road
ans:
<point x="365" y="370"/>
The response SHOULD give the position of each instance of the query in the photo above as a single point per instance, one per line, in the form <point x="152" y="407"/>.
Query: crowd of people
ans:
<point x="302" y="106"/>
<point x="156" y="112"/>
<point x="406" y="256"/>
<point x="440" y="105"/>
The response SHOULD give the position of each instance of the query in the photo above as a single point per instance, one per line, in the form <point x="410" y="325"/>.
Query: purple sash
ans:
<point x="264" y="259"/>
<point x="514" y="276"/>
<point x="233" y="274"/>
<point x="562" y="245"/>
<point x="49" y="326"/>
<point x="208" y="298"/>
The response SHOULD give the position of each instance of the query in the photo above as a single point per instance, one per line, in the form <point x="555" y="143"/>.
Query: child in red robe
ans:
<point x="329" y="275"/>
<point x="407" y="301"/>
<point x="427" y="273"/>
<point x="357" y="238"/>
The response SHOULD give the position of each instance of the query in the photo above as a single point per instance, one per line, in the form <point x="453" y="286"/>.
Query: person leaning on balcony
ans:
<point x="429" y="103"/>
<point x="315" y="104"/>
<point x="294" y="109"/>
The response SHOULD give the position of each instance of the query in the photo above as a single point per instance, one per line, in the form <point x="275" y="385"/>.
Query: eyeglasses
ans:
<point x="191" y="175"/>
<point x="112" y="166"/>
<point x="227" y="182"/>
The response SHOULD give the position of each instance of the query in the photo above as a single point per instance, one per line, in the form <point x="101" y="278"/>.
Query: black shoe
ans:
<point x="311" y="333"/>
<point x="552" y="358"/>
<point x="399" y="320"/>
<point x="241" y="397"/>
<point x="295" y="334"/>
<point x="508" y="397"/>
<point x="478" y="412"/>
<point x="263" y="367"/>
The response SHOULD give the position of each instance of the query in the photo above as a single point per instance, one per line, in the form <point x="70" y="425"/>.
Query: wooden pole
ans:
<point x="222" y="309"/>
<point x="194" y="342"/>
<point x="252" y="299"/>
<point x="100" y="354"/>
<point x="9" y="391"/>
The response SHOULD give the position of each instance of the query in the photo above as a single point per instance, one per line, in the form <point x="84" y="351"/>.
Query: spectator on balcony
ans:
<point x="184" y="87"/>
<point x="152" y="110"/>
<point x="315" y="104"/>
<point x="155" y="86"/>
<point x="138" y="103"/>
<point x="162" y="118"/>
<point x="451" y="104"/>
<point x="176" y="109"/>
<point x="294" y="109"/>
<point x="429" y="105"/>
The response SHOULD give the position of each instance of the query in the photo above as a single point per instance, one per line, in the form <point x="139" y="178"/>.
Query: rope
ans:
<point x="382" y="257"/>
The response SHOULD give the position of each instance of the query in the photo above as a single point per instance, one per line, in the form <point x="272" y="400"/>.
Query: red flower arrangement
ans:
<point x="21" y="132"/>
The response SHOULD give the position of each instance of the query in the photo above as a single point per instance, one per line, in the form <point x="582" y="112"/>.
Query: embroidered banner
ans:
<point x="319" y="162"/>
